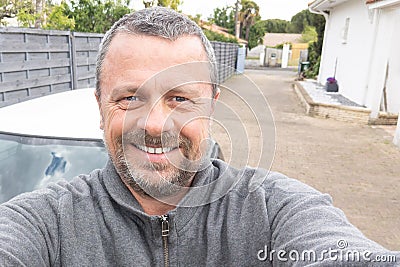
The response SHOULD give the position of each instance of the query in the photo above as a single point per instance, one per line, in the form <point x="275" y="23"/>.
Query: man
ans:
<point x="161" y="200"/>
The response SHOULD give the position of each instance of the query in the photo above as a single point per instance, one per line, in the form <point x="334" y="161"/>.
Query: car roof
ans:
<point x="71" y="114"/>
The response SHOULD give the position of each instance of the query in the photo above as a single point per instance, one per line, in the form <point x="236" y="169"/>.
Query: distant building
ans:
<point x="275" y="39"/>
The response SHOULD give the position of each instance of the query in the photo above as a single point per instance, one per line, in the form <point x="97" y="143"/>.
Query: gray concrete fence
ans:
<point x="36" y="62"/>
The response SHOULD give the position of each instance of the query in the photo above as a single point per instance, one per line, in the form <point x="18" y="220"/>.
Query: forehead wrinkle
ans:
<point x="194" y="87"/>
<point x="124" y="88"/>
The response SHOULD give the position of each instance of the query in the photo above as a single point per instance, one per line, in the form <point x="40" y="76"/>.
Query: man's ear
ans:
<point x="215" y="99"/>
<point x="217" y="95"/>
<point x="101" y="113"/>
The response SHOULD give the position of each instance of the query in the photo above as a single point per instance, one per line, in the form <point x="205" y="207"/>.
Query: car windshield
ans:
<point x="28" y="163"/>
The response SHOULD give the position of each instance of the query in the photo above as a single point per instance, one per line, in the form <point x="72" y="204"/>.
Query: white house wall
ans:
<point x="393" y="85"/>
<point x="353" y="55"/>
<point x="386" y="52"/>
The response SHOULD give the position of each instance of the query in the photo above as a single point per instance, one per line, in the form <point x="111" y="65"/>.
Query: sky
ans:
<point x="269" y="9"/>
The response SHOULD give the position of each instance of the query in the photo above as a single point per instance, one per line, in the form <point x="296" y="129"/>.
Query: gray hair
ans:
<point x="156" y="21"/>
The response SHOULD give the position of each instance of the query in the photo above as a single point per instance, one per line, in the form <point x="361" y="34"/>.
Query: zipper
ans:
<point x="164" y="235"/>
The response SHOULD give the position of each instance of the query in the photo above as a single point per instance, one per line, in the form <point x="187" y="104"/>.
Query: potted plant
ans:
<point x="332" y="85"/>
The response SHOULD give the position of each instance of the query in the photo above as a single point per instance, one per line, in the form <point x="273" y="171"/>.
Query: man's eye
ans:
<point x="180" y="99"/>
<point x="131" y="98"/>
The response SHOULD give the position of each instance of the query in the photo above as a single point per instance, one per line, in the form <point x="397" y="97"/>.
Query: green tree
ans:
<point x="318" y="21"/>
<point x="252" y="29"/>
<point x="96" y="15"/>
<point x="303" y="19"/>
<point x="299" y="21"/>
<point x="276" y="25"/>
<point x="256" y="36"/>
<point x="32" y="13"/>
<point x="224" y="17"/>
<point x="57" y="20"/>
<point x="7" y="10"/>
<point x="174" y="4"/>
<point x="315" y="48"/>
<point x="81" y="15"/>
<point x="248" y="16"/>
<point x="309" y="34"/>
<point x="26" y="14"/>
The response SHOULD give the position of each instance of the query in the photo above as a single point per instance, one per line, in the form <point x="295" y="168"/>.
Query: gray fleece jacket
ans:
<point x="95" y="221"/>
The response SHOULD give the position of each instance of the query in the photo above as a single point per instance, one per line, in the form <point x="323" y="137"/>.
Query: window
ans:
<point x="345" y="31"/>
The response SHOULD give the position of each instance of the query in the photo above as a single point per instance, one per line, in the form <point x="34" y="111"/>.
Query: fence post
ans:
<point x="241" y="57"/>
<point x="74" y="70"/>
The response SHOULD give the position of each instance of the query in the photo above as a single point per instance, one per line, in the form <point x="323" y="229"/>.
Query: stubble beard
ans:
<point x="155" y="180"/>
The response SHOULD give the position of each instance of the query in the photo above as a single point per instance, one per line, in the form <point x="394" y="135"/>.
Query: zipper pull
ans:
<point x="164" y="225"/>
<point x="165" y="234"/>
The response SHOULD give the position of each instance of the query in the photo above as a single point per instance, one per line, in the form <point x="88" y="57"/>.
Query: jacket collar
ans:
<point x="196" y="198"/>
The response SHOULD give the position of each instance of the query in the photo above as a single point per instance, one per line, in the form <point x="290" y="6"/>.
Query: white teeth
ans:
<point x="167" y="149"/>
<point x="155" y="150"/>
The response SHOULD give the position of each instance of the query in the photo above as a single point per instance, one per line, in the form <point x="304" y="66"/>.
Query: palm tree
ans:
<point x="247" y="16"/>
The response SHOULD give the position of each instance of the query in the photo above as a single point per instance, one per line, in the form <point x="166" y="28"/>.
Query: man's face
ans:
<point x="154" y="117"/>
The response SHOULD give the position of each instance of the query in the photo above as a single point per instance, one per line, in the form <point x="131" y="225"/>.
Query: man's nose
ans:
<point x="157" y="119"/>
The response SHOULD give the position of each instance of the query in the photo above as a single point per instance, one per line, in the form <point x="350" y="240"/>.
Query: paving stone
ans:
<point x="353" y="163"/>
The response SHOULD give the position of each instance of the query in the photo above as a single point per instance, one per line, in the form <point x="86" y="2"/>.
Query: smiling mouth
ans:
<point x="155" y="150"/>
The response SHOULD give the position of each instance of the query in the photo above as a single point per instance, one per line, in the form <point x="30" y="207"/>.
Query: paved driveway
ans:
<point x="356" y="164"/>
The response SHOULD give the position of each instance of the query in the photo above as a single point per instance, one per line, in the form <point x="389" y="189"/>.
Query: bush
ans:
<point x="314" y="57"/>
<point x="213" y="36"/>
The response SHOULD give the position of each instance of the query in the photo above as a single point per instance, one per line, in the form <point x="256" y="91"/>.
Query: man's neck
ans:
<point x="152" y="206"/>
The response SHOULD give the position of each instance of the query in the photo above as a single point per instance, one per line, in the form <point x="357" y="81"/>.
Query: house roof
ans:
<point x="373" y="4"/>
<point x="322" y="5"/>
<point x="274" y="39"/>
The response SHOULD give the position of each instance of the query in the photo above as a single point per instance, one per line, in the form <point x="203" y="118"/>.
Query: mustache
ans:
<point x="166" y="139"/>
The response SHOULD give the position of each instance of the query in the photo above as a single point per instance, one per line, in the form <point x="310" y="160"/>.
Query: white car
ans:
<point x="49" y="138"/>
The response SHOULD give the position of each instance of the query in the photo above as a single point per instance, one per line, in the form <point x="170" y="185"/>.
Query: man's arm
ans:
<point x="28" y="228"/>
<point x="307" y="225"/>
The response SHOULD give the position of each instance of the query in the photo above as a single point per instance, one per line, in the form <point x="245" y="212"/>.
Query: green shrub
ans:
<point x="213" y="36"/>
<point x="314" y="57"/>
